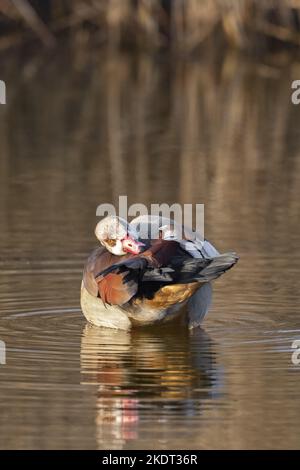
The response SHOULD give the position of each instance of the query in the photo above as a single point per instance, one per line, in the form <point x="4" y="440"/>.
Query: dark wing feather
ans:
<point x="165" y="262"/>
<point x="152" y="265"/>
<point x="172" y="264"/>
<point x="201" y="269"/>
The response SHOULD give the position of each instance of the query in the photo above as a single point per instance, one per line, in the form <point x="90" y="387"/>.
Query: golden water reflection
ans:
<point x="146" y="375"/>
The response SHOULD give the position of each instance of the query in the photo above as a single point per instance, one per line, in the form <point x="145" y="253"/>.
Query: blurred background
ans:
<point x="184" y="101"/>
<point x="178" y="25"/>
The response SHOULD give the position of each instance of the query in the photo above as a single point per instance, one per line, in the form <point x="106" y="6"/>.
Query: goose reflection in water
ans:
<point x="145" y="378"/>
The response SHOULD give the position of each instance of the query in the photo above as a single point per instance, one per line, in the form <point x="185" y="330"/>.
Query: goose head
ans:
<point x="116" y="235"/>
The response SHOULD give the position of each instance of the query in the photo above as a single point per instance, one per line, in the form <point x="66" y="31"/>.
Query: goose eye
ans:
<point x="111" y="241"/>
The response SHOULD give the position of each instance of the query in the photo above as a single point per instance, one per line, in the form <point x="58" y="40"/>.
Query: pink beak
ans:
<point x="132" y="246"/>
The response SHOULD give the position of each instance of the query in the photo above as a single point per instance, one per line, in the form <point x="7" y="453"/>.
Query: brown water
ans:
<point x="80" y="129"/>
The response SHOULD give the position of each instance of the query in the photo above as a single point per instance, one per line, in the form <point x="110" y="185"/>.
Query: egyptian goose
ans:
<point x="132" y="279"/>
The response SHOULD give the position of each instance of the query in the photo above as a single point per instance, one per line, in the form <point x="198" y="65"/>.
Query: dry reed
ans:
<point x="179" y="25"/>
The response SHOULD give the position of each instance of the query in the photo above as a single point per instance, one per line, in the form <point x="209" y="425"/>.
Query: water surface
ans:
<point x="82" y="129"/>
